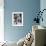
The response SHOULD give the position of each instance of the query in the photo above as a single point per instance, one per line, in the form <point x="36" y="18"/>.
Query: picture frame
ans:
<point x="17" y="18"/>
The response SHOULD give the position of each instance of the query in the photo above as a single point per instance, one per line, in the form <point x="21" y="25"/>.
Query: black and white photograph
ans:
<point x="17" y="18"/>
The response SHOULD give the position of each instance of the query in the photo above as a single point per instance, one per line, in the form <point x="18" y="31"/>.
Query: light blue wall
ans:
<point x="28" y="7"/>
<point x="43" y="6"/>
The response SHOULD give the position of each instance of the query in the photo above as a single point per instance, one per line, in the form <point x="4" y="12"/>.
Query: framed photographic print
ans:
<point x="17" y="18"/>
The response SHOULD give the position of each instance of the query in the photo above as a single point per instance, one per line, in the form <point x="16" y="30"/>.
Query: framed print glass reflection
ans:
<point x="17" y="18"/>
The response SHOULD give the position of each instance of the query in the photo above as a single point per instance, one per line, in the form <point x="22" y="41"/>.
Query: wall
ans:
<point x="43" y="6"/>
<point x="29" y="8"/>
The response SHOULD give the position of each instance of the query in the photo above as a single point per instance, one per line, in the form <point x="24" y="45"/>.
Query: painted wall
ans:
<point x="29" y="8"/>
<point x="43" y="6"/>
